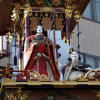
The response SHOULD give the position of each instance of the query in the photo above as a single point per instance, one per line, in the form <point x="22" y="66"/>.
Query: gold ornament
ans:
<point x="28" y="12"/>
<point x="39" y="2"/>
<point x="72" y="33"/>
<point x="43" y="77"/>
<point x="68" y="11"/>
<point x="15" y="15"/>
<point x="19" y="94"/>
<point x="9" y="37"/>
<point x="98" y="94"/>
<point x="56" y="2"/>
<point x="77" y="15"/>
<point x="35" y="75"/>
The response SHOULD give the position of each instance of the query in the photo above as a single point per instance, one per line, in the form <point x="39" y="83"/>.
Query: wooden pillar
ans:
<point x="68" y="14"/>
<point x="68" y="30"/>
<point x="26" y="23"/>
<point x="20" y="51"/>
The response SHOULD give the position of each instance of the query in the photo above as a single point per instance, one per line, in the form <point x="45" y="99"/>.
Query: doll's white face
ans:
<point x="39" y="29"/>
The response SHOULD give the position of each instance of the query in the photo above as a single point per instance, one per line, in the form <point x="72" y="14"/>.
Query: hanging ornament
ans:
<point x="9" y="37"/>
<point x="41" y="20"/>
<point x="71" y="34"/>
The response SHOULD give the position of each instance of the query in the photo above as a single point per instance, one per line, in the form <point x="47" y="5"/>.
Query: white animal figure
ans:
<point x="63" y="50"/>
<point x="71" y="75"/>
<point x="63" y="59"/>
<point x="75" y="75"/>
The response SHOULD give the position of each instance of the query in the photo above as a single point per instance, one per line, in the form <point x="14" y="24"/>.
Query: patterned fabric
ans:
<point x="40" y="66"/>
<point x="37" y="54"/>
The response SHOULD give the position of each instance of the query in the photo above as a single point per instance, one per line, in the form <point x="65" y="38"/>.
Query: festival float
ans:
<point x="38" y="33"/>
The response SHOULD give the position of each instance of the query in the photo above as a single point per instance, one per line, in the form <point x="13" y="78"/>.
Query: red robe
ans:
<point x="31" y="49"/>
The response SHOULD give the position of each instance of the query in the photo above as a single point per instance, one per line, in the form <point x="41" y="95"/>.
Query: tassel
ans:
<point x="15" y="60"/>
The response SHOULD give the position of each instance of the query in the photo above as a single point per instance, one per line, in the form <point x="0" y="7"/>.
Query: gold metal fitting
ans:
<point x="68" y="11"/>
<point x="35" y="75"/>
<point x="28" y="12"/>
<point x="77" y="15"/>
<point x="15" y="15"/>
<point x="43" y="77"/>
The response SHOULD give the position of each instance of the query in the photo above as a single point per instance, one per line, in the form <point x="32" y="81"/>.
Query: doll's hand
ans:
<point x="35" y="44"/>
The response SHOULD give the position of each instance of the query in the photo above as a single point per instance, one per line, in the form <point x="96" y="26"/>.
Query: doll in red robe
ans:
<point x="39" y="56"/>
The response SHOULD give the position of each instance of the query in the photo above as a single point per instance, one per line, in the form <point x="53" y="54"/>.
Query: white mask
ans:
<point x="74" y="55"/>
<point x="39" y="29"/>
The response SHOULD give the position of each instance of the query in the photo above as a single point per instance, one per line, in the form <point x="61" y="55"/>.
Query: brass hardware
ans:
<point x="68" y="11"/>
<point x="77" y="15"/>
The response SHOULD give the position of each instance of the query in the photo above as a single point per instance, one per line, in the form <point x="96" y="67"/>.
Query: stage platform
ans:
<point x="43" y="90"/>
<point x="55" y="84"/>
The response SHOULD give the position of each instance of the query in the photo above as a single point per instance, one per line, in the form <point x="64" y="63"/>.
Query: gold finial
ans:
<point x="68" y="11"/>
<point x="27" y="11"/>
<point x="15" y="15"/>
<point x="77" y="15"/>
